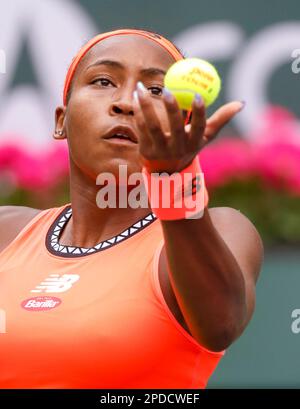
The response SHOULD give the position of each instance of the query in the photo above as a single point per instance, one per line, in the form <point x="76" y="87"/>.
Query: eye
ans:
<point x="157" y="90"/>
<point x="104" y="81"/>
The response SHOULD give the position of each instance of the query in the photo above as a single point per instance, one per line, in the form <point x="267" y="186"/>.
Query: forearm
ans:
<point x="206" y="279"/>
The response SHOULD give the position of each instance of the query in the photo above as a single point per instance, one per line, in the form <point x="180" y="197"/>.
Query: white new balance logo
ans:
<point x="56" y="283"/>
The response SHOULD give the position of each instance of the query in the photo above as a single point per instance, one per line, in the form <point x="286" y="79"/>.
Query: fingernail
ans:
<point x="198" y="99"/>
<point x="243" y="105"/>
<point x="168" y="95"/>
<point x="141" y="89"/>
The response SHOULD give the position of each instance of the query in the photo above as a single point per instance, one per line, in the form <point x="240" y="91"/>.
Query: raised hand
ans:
<point x="173" y="151"/>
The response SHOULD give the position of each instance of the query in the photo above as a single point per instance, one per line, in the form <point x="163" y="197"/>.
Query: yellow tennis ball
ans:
<point x="193" y="75"/>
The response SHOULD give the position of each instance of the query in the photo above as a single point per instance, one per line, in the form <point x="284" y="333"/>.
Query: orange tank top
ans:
<point x="92" y="317"/>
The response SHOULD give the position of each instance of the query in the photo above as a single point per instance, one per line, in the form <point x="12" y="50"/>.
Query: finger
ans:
<point x="220" y="118"/>
<point x="145" y="141"/>
<point x="151" y="120"/>
<point x="198" y="123"/>
<point x="176" y="122"/>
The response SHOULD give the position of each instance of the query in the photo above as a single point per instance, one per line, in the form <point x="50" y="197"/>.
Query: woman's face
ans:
<point x="102" y="98"/>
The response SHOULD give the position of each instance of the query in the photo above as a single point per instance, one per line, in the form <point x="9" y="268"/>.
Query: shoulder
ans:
<point x="240" y="235"/>
<point x="232" y="220"/>
<point x="12" y="220"/>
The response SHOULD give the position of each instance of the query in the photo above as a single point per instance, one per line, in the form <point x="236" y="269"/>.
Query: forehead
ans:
<point x="130" y="49"/>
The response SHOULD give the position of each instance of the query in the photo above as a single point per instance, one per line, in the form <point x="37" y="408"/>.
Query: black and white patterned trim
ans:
<point x="55" y="231"/>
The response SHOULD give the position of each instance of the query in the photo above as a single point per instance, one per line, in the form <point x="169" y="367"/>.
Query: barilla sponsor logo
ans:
<point x="41" y="303"/>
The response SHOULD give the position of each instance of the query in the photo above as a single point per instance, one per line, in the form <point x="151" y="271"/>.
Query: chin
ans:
<point x="119" y="169"/>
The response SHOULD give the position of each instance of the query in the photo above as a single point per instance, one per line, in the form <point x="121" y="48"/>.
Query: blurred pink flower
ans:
<point x="34" y="172"/>
<point x="277" y="148"/>
<point x="226" y="159"/>
<point x="9" y="154"/>
<point x="276" y="124"/>
<point x="271" y="152"/>
<point x="278" y="164"/>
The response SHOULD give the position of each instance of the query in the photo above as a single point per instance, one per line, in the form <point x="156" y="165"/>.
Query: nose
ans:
<point x="123" y="105"/>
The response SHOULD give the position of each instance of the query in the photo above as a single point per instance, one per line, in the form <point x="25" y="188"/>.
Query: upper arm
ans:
<point x="12" y="220"/>
<point x="245" y="244"/>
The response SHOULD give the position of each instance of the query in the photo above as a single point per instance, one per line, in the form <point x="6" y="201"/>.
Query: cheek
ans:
<point x="85" y="125"/>
<point x="82" y="130"/>
<point x="83" y="114"/>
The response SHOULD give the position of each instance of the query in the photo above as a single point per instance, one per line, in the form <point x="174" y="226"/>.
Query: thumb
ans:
<point x="221" y="117"/>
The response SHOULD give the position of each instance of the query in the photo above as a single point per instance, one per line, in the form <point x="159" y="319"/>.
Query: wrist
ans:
<point x="180" y="195"/>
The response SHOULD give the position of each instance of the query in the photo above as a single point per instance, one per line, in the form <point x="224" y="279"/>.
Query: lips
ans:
<point x="122" y="132"/>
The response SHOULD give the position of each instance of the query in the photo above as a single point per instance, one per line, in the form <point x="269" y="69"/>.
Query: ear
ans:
<point x="59" y="131"/>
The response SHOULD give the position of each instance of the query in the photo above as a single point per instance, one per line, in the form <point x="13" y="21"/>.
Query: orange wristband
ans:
<point x="181" y="195"/>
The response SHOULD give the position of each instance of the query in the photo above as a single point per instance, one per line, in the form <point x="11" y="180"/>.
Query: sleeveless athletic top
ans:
<point x="92" y="317"/>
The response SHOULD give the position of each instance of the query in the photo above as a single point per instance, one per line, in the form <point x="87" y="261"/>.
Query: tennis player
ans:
<point x="123" y="297"/>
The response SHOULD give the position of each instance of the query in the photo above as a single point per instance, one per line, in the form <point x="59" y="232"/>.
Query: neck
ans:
<point x="91" y="224"/>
